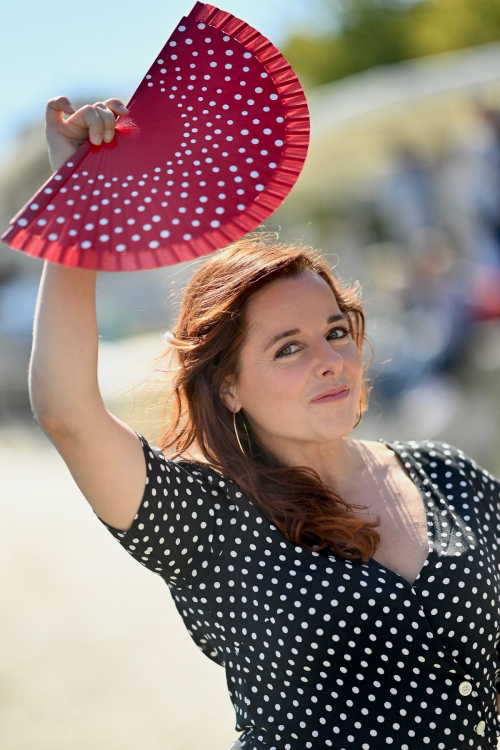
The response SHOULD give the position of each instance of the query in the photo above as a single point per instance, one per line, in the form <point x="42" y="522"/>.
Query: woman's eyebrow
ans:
<point x="293" y="331"/>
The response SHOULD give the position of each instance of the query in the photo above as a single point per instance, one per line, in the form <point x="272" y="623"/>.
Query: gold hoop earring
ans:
<point x="236" y="433"/>
<point x="360" y="415"/>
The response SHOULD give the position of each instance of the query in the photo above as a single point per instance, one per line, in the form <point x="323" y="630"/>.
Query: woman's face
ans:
<point x="278" y="380"/>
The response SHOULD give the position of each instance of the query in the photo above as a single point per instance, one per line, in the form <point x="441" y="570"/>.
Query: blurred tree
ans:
<point x="364" y="33"/>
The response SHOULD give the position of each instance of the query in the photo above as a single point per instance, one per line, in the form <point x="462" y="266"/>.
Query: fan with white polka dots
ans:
<point x="216" y="137"/>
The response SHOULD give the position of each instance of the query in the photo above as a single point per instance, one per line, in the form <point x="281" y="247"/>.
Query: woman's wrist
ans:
<point x="57" y="164"/>
<point x="58" y="160"/>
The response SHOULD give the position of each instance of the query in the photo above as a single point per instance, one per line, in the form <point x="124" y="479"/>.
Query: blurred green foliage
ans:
<point x="364" y="33"/>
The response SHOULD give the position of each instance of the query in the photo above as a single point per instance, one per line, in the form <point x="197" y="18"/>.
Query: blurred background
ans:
<point x="400" y="190"/>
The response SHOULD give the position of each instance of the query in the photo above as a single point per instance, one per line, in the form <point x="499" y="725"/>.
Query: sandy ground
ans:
<point x="93" y="652"/>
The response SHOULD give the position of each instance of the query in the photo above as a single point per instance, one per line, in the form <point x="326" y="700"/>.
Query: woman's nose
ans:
<point x="327" y="357"/>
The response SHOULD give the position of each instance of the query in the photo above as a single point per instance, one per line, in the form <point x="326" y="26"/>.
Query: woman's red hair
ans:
<point x="204" y="352"/>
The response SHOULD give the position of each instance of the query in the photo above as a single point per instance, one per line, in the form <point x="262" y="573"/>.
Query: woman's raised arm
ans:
<point x="104" y="455"/>
<point x="63" y="382"/>
<point x="62" y="378"/>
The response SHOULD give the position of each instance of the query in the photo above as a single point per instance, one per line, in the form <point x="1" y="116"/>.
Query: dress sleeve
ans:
<point x="485" y="484"/>
<point x="180" y="527"/>
<point x="487" y="487"/>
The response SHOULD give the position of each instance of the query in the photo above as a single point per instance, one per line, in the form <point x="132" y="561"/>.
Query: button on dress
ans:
<point x="324" y="652"/>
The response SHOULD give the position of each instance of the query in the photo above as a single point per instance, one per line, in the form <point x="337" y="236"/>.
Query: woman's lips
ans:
<point x="337" y="397"/>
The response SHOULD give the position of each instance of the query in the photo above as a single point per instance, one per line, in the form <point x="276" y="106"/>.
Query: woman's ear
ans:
<point x="229" y="399"/>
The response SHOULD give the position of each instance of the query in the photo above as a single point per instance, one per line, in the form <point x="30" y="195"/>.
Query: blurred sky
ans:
<point x="105" y="47"/>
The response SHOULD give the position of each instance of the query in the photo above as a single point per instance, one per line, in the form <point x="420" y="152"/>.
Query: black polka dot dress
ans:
<point x="324" y="652"/>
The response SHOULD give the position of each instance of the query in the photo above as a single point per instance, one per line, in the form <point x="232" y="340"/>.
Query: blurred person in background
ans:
<point x="485" y="187"/>
<point x="484" y="203"/>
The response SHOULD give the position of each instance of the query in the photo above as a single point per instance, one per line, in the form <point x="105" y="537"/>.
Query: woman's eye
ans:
<point x="281" y="352"/>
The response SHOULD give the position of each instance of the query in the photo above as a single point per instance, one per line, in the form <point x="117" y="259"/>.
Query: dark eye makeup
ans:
<point x="279" y="354"/>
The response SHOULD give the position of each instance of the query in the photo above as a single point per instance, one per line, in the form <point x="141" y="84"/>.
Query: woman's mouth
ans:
<point x="336" y="397"/>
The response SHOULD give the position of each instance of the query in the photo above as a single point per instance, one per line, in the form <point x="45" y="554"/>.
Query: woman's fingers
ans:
<point x="117" y="106"/>
<point x="55" y="108"/>
<point x="107" y="111"/>
<point x="101" y="119"/>
<point x="108" y="119"/>
<point x="94" y="121"/>
<point x="65" y="136"/>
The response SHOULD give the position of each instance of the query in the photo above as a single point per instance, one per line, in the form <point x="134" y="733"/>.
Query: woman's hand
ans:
<point x="498" y="702"/>
<point x="94" y="121"/>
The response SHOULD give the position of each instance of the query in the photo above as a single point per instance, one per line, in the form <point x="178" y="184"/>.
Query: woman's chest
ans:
<point x="404" y="542"/>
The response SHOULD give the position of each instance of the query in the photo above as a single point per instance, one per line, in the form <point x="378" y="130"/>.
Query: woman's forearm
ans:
<point x="63" y="382"/>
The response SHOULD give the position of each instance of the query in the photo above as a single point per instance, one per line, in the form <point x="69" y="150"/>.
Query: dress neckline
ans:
<point x="417" y="481"/>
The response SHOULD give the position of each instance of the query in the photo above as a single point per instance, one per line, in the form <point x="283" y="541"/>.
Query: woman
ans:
<point x="349" y="588"/>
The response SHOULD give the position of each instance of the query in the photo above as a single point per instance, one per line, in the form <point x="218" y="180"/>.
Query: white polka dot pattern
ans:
<point x="320" y="651"/>
<point x="216" y="136"/>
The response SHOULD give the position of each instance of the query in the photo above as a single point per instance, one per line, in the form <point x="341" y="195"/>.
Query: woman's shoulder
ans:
<point x="188" y="466"/>
<point x="426" y="447"/>
<point x="182" y="502"/>
<point x="433" y="454"/>
<point x="191" y="458"/>
<point x="194" y="460"/>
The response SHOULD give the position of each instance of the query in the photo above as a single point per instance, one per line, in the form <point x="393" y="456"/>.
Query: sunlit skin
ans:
<point x="275" y="391"/>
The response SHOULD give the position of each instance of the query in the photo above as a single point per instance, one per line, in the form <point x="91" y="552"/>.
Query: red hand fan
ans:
<point x="216" y="136"/>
